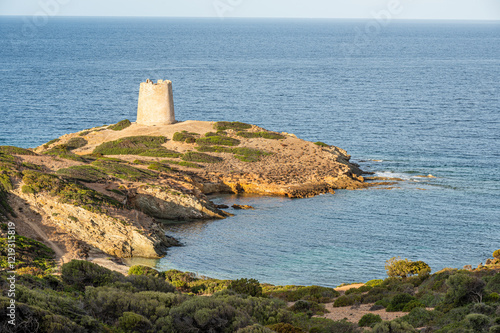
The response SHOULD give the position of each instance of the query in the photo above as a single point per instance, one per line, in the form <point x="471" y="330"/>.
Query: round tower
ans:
<point x="156" y="103"/>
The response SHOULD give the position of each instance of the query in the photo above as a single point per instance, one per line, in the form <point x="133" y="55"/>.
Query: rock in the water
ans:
<point x="242" y="207"/>
<point x="221" y="206"/>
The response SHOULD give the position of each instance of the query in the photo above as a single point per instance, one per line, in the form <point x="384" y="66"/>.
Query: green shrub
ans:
<point x="29" y="253"/>
<point x="347" y="300"/>
<point x="285" y="328"/>
<point x="419" y="317"/>
<point x="369" y="320"/>
<point x="399" y="302"/>
<point x="160" y="167"/>
<point x="309" y="307"/>
<point x="78" y="274"/>
<point x="143" y="270"/>
<point x="496" y="254"/>
<point x="256" y="328"/>
<point x="161" y="152"/>
<point x="242" y="153"/>
<point x="321" y="144"/>
<point x="62" y="152"/>
<point x="249" y="287"/>
<point x="235" y="125"/>
<point x="75" y="143"/>
<point x="393" y="327"/>
<point x="463" y="289"/>
<point x="295" y="293"/>
<point x="11" y="150"/>
<point x="183" y="163"/>
<point x="478" y="322"/>
<point x="185" y="136"/>
<point x="494" y="284"/>
<point x="374" y="283"/>
<point x="494" y="329"/>
<point x="265" y="135"/>
<point x="120" y="125"/>
<point x="132" y="145"/>
<point x="133" y="322"/>
<point x="123" y="171"/>
<point x="67" y="192"/>
<point x="217" y="140"/>
<point x="397" y="267"/>
<point x="47" y="145"/>
<point x="85" y="173"/>
<point x="200" y="157"/>
<point x="412" y="305"/>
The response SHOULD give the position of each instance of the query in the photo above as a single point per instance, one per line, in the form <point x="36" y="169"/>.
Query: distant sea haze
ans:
<point x="412" y="99"/>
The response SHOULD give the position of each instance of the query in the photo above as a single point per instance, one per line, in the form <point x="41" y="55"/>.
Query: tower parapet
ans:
<point x="156" y="103"/>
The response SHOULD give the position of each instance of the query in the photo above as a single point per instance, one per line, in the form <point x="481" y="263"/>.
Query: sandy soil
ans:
<point x="354" y="313"/>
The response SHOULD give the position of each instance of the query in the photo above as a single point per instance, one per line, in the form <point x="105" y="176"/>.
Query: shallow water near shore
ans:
<point x="419" y="98"/>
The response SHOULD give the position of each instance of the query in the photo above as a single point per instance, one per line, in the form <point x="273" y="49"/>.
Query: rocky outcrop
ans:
<point x="164" y="203"/>
<point x="115" y="236"/>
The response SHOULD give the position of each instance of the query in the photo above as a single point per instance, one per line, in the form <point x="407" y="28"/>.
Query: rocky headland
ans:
<point x="106" y="190"/>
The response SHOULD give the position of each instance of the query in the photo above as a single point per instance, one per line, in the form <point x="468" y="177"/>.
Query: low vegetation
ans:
<point x="62" y="151"/>
<point x="185" y="136"/>
<point x="32" y="257"/>
<point x="234" y="125"/>
<point x="200" y="157"/>
<point x="183" y="163"/>
<point x="242" y="153"/>
<point x="67" y="191"/>
<point x="16" y="150"/>
<point x="217" y="140"/>
<point x="321" y="144"/>
<point x="123" y="171"/>
<point x="75" y="143"/>
<point x="47" y="145"/>
<point x="120" y="125"/>
<point x="132" y="145"/>
<point x="85" y="173"/>
<point x="265" y="135"/>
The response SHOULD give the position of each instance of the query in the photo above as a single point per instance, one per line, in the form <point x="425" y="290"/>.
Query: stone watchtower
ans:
<point x="156" y="103"/>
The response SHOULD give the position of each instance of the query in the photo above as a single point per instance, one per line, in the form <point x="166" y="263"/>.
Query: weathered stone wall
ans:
<point x="156" y="103"/>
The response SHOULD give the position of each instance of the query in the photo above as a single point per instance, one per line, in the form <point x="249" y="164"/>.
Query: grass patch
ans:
<point x="132" y="145"/>
<point x="185" y="136"/>
<point x="217" y="140"/>
<point x="321" y="144"/>
<point x="200" y="157"/>
<point x="161" y="152"/>
<point x="123" y="171"/>
<point x="85" y="173"/>
<point x="67" y="191"/>
<point x="29" y="253"/>
<point x="242" y="153"/>
<point x="160" y="167"/>
<point x="62" y="152"/>
<point x="234" y="125"/>
<point x="75" y="143"/>
<point x="120" y="125"/>
<point x="50" y="142"/>
<point x="295" y="293"/>
<point x="83" y="133"/>
<point x="265" y="135"/>
<point x="16" y="151"/>
<point x="183" y="163"/>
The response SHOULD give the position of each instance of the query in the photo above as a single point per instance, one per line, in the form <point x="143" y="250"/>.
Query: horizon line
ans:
<point x="256" y="17"/>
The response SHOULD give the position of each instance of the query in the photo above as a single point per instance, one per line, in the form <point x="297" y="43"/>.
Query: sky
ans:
<point x="398" y="9"/>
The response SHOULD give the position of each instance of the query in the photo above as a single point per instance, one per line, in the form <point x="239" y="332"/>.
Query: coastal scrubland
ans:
<point x="85" y="297"/>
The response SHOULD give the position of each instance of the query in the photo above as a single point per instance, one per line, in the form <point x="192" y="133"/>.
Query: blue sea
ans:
<point x="412" y="98"/>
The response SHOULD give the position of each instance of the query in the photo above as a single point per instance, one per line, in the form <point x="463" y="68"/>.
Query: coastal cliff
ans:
<point x="109" y="188"/>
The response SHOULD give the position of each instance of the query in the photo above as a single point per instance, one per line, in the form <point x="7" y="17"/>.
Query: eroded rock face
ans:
<point x="163" y="203"/>
<point x="115" y="236"/>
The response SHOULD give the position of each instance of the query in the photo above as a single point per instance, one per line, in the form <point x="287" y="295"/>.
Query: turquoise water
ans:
<point x="418" y="98"/>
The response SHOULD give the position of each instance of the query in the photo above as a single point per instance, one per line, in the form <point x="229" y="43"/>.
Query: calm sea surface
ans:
<point x="416" y="98"/>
